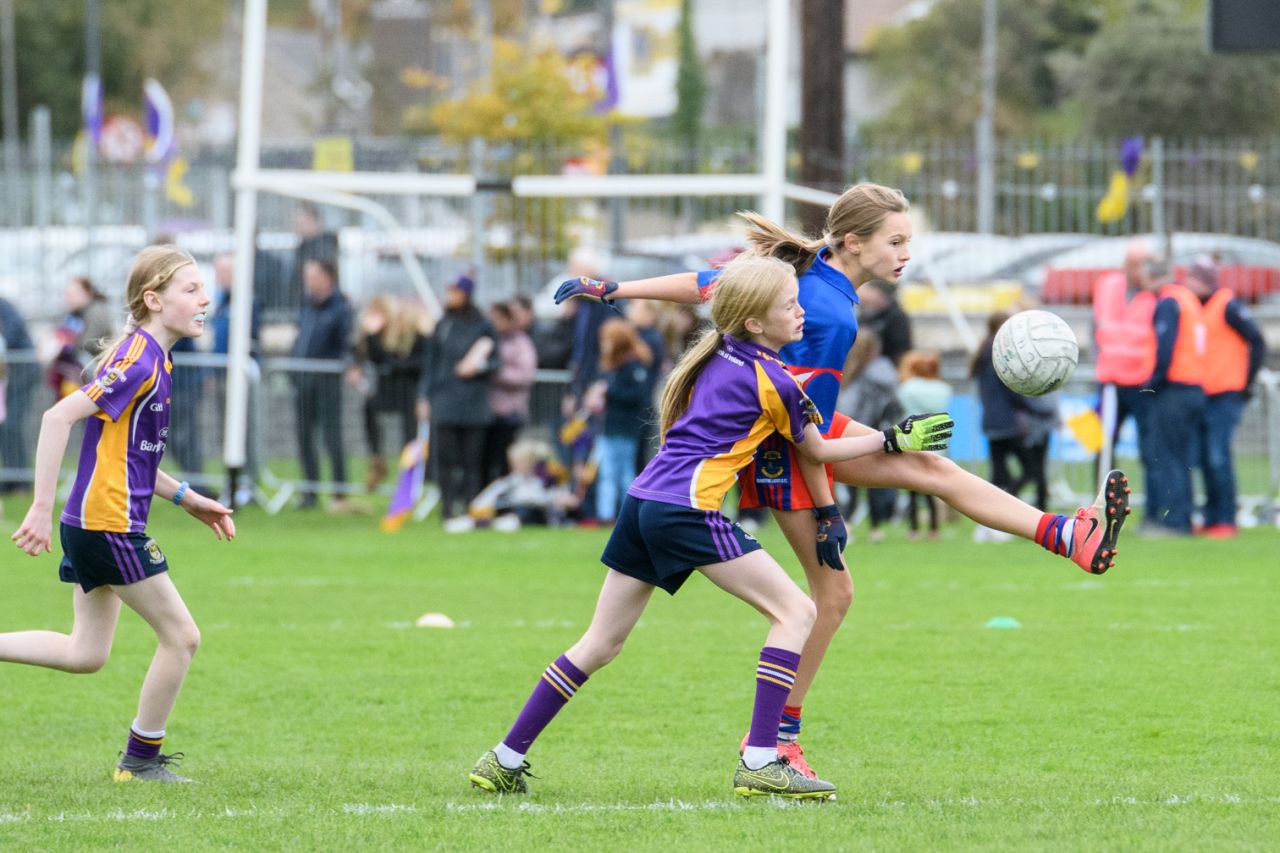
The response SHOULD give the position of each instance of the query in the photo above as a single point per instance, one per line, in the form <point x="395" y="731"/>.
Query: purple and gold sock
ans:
<point x="558" y="684"/>
<point x="775" y="674"/>
<point x="142" y="746"/>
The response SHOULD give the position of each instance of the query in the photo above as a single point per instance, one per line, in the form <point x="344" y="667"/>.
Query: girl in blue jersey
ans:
<point x="727" y="394"/>
<point x="867" y="236"/>
<point x="107" y="554"/>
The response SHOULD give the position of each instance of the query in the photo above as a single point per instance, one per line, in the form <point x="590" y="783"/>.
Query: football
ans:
<point x="1034" y="352"/>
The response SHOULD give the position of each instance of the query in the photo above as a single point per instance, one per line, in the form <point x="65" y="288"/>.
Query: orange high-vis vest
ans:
<point x="1123" y="331"/>
<point x="1226" y="358"/>
<point x="1187" y="365"/>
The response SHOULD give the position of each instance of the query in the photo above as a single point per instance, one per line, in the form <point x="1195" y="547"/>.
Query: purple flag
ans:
<point x="1131" y="155"/>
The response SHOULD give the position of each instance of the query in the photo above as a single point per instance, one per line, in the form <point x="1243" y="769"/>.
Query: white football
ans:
<point x="1035" y="352"/>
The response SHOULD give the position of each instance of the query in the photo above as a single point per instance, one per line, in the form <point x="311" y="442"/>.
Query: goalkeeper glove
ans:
<point x="587" y="288"/>
<point x="832" y="536"/>
<point x="919" y="432"/>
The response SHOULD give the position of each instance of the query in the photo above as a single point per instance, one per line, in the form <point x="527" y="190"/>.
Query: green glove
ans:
<point x="919" y="432"/>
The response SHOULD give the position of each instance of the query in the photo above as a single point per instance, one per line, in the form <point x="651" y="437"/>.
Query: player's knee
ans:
<point x="87" y="661"/>
<point x="184" y="639"/>
<point x="799" y="613"/>
<point x="834" y="600"/>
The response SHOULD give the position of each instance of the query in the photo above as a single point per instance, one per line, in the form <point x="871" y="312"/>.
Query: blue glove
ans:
<point x="832" y="536"/>
<point x="587" y="288"/>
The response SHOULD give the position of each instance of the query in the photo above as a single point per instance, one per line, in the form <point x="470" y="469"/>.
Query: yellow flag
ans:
<point x="1087" y="429"/>
<point x="178" y="192"/>
<point x="1115" y="203"/>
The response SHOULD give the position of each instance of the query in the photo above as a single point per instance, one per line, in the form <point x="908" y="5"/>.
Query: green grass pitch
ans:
<point x="1135" y="711"/>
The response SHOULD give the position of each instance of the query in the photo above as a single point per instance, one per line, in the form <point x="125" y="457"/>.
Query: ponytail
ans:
<point x="772" y="240"/>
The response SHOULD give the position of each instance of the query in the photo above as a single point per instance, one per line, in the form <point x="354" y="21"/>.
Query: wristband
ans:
<point x="181" y="493"/>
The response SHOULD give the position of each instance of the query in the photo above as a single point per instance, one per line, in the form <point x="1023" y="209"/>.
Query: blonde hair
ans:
<point x="746" y="289"/>
<point x="403" y="323"/>
<point x="153" y="269"/>
<point x="860" y="210"/>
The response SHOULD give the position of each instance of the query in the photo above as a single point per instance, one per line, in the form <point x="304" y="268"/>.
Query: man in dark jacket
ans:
<point x="324" y="332"/>
<point x="454" y="395"/>
<point x="314" y="244"/>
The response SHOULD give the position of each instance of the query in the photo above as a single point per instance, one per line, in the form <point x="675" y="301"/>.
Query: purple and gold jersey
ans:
<point x="123" y="442"/>
<point x="743" y="395"/>
<point x="830" y="326"/>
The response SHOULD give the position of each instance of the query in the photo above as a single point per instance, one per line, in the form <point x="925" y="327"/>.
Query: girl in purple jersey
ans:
<point x="106" y="552"/>
<point x="867" y="236"/>
<point x="727" y="394"/>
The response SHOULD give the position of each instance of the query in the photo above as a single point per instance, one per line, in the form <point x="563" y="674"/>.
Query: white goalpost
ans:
<point x="346" y="189"/>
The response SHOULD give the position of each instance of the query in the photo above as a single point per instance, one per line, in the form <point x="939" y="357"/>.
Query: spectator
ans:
<point x="220" y="322"/>
<point x="184" y="417"/>
<point x="922" y="391"/>
<point x="388" y="367"/>
<point x="220" y="325"/>
<point x="870" y="397"/>
<point x="324" y="333"/>
<point x="1177" y="405"/>
<point x="1017" y="428"/>
<point x="314" y="244"/>
<point x="880" y="312"/>
<point x="23" y="376"/>
<point x="1124" y="303"/>
<point x="510" y="388"/>
<point x="553" y="338"/>
<point x="1234" y="353"/>
<point x="453" y="395"/>
<point x="532" y="493"/>
<point x="625" y="393"/>
<point x="644" y="316"/>
<point x="81" y="335"/>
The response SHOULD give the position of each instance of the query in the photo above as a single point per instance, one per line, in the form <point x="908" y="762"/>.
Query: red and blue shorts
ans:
<point x="773" y="478"/>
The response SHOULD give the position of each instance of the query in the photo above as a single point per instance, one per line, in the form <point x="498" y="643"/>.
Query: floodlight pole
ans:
<point x="773" y="142"/>
<point x="246" y="222"/>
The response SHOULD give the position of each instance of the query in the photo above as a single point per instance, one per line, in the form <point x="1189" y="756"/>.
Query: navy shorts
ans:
<point x="661" y="544"/>
<point x="94" y="558"/>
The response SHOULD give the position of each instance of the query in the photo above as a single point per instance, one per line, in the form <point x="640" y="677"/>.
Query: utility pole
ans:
<point x="985" y="131"/>
<point x="821" y="103"/>
<point x="9" y="75"/>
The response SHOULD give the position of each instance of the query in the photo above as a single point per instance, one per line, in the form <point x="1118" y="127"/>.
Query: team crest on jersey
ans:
<point x="771" y="467"/>
<point x="153" y="550"/>
<point x="107" y="379"/>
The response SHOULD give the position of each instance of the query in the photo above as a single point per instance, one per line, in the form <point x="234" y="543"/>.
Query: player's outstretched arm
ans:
<point x="677" y="287"/>
<point x="204" y="509"/>
<point x="821" y="450"/>
<point x="35" y="533"/>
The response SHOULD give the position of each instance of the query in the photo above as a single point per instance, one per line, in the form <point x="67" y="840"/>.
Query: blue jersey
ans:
<point x="830" y="326"/>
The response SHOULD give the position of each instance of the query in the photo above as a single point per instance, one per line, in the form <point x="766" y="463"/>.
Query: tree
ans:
<point x="140" y="39"/>
<point x="1151" y="74"/>
<point x="529" y="96"/>
<point x="932" y="64"/>
<point x="691" y="86"/>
